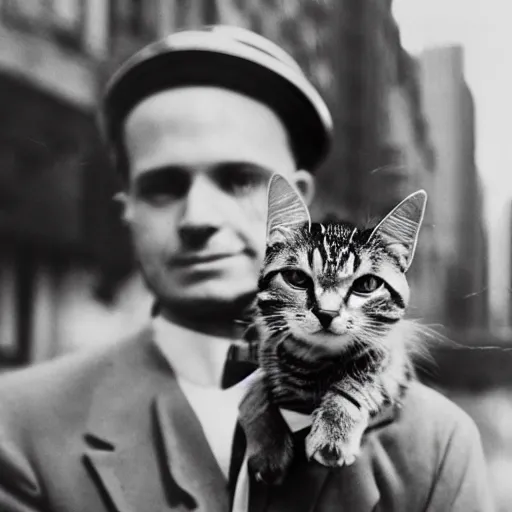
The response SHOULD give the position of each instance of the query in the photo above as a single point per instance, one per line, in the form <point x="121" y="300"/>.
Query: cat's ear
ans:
<point x="286" y="209"/>
<point x="400" y="228"/>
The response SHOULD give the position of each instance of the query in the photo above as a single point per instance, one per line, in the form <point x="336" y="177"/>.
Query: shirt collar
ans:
<point x="195" y="357"/>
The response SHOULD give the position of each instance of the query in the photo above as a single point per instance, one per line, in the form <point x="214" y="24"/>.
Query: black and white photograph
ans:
<point x="255" y="256"/>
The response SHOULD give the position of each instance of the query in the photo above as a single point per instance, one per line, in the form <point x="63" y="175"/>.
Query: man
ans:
<point x="198" y="123"/>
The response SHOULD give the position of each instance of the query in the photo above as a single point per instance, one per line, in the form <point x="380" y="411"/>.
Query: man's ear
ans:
<point x="400" y="228"/>
<point x="286" y="209"/>
<point x="124" y="200"/>
<point x="305" y="183"/>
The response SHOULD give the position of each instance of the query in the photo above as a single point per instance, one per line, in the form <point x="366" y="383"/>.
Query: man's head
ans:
<point x="197" y="153"/>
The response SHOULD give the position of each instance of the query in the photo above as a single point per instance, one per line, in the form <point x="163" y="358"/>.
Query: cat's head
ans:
<point x="334" y="286"/>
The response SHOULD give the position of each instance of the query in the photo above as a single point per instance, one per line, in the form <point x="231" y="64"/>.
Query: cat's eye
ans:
<point x="367" y="284"/>
<point x="296" y="278"/>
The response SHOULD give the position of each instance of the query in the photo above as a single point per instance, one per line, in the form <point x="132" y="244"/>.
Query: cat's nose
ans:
<point x="325" y="316"/>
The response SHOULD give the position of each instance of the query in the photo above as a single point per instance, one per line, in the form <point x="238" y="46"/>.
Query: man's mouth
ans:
<point x="186" y="260"/>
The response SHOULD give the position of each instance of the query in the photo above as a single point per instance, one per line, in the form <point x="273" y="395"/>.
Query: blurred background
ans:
<point x="420" y="95"/>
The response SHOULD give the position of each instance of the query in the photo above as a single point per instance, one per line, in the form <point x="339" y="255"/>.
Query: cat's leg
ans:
<point x="269" y="441"/>
<point x="337" y="430"/>
<point x="342" y="418"/>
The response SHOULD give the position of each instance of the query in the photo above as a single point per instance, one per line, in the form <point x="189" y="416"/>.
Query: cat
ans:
<point x="332" y="337"/>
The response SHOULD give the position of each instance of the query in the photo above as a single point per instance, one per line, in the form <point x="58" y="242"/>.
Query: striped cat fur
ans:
<point x="333" y="340"/>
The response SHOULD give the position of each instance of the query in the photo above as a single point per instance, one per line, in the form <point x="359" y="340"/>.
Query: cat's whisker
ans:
<point x="372" y="335"/>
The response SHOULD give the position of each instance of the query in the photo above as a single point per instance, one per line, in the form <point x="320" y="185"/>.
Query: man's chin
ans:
<point x="209" y="304"/>
<point x="217" y="294"/>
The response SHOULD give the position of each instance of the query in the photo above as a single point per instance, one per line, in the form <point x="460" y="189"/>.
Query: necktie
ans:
<point x="238" y="366"/>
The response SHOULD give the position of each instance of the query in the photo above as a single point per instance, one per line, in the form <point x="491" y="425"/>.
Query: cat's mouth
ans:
<point x="327" y="337"/>
<point x="331" y="331"/>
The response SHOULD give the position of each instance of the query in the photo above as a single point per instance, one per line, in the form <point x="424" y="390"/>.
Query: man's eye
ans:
<point x="159" y="198"/>
<point x="159" y="188"/>
<point x="240" y="181"/>
<point x="296" y="278"/>
<point x="367" y="284"/>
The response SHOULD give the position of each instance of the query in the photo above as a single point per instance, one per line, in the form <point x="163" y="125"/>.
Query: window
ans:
<point x="29" y="13"/>
<point x="8" y="312"/>
<point x="134" y="18"/>
<point x="67" y="20"/>
<point x="62" y="20"/>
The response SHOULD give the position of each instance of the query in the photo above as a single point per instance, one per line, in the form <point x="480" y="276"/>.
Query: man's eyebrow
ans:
<point x="161" y="170"/>
<point x="176" y="170"/>
<point x="241" y="165"/>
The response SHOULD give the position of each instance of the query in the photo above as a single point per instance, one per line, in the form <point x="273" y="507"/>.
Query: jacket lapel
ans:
<point x="103" y="470"/>
<point x="186" y="449"/>
<point x="144" y="442"/>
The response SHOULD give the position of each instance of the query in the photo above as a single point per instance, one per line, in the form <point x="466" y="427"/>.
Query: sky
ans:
<point x="484" y="29"/>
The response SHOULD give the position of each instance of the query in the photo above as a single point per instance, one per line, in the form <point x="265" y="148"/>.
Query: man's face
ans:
<point x="200" y="160"/>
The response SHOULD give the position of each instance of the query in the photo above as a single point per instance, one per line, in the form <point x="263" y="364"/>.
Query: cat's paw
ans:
<point x="270" y="465"/>
<point x="331" y="449"/>
<point x="336" y="443"/>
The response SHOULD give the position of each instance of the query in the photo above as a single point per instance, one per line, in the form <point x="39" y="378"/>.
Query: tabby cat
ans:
<point x="332" y="338"/>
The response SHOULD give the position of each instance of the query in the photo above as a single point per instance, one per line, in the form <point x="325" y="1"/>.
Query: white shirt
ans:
<point x="198" y="362"/>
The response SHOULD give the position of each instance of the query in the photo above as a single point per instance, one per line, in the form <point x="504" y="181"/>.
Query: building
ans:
<point x="64" y="253"/>
<point x="508" y="271"/>
<point x="460" y="234"/>
<point x="61" y="246"/>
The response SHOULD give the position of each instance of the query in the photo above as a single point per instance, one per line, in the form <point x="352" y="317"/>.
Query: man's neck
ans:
<point x="224" y="326"/>
<point x="196" y="358"/>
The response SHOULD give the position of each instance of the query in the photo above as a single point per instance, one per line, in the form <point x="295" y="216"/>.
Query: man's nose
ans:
<point x="200" y="218"/>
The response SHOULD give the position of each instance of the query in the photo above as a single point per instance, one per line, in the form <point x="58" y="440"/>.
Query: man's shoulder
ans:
<point x="427" y="408"/>
<point x="64" y="376"/>
<point x="424" y="451"/>
<point x="427" y="425"/>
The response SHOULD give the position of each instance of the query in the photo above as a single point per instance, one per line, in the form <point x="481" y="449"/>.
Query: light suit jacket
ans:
<point x="110" y="430"/>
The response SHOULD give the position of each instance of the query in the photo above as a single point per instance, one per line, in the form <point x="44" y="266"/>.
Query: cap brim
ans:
<point x="246" y="70"/>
